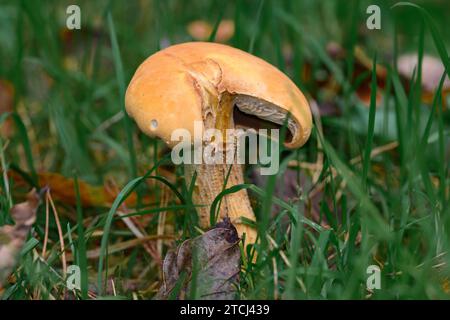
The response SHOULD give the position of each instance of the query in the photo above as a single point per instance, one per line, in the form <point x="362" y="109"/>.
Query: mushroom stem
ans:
<point x="209" y="183"/>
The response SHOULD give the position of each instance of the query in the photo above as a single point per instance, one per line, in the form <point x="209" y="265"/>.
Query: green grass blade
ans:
<point x="251" y="46"/>
<point x="23" y="135"/>
<point x="81" y="242"/>
<point x="212" y="36"/>
<point x="121" y="197"/>
<point x="371" y="125"/>
<point x="121" y="84"/>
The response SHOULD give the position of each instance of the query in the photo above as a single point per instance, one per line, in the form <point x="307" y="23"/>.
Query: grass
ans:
<point x="375" y="206"/>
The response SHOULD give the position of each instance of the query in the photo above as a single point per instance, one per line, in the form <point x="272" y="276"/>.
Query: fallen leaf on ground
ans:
<point x="12" y="237"/>
<point x="63" y="189"/>
<point x="217" y="266"/>
<point x="6" y="105"/>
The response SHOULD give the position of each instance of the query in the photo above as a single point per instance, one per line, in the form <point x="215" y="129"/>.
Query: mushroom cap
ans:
<point x="168" y="89"/>
<point x="432" y="70"/>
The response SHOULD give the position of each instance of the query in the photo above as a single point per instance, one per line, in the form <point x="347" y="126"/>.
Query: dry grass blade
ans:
<point x="121" y="246"/>
<point x="135" y="226"/>
<point x="60" y="233"/>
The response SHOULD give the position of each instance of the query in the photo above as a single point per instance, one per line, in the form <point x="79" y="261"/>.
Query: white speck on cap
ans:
<point x="154" y="124"/>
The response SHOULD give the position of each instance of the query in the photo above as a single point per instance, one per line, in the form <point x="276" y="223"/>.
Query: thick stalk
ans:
<point x="209" y="183"/>
<point x="218" y="114"/>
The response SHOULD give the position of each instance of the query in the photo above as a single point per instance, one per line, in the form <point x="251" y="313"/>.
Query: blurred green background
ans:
<point x="392" y="209"/>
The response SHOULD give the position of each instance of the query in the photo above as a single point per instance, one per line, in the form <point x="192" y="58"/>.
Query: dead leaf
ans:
<point x="446" y="285"/>
<point x="217" y="263"/>
<point x="12" y="237"/>
<point x="63" y="189"/>
<point x="6" y="105"/>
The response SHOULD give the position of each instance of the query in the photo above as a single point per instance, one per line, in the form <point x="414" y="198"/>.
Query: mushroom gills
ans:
<point x="250" y="112"/>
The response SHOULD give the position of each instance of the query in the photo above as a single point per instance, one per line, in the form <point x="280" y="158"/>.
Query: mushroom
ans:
<point x="201" y="30"/>
<point x="222" y="87"/>
<point x="432" y="70"/>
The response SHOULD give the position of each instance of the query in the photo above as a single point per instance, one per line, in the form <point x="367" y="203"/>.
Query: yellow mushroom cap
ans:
<point x="167" y="90"/>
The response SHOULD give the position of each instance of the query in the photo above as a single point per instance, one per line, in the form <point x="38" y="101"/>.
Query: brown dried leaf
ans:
<point x="6" y="105"/>
<point x="218" y="265"/>
<point x="63" y="189"/>
<point x="12" y="238"/>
